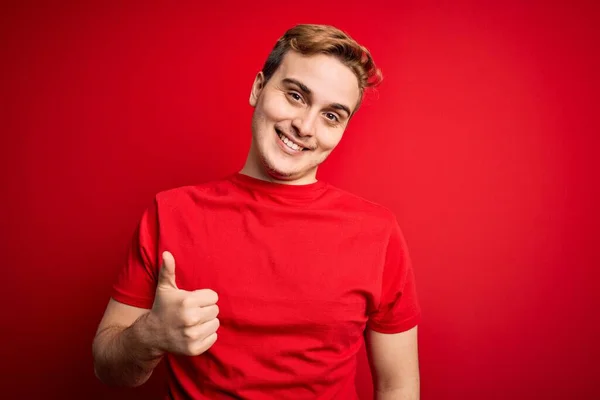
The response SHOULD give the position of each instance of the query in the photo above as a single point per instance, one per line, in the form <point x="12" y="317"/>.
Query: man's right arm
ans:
<point x="131" y="341"/>
<point x="124" y="349"/>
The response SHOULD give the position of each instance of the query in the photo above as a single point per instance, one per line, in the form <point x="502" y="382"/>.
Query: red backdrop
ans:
<point x="482" y="139"/>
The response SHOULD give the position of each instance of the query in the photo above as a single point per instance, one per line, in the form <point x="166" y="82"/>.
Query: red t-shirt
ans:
<point x="301" y="272"/>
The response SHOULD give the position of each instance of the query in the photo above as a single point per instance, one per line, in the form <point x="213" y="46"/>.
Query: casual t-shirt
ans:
<point x="301" y="271"/>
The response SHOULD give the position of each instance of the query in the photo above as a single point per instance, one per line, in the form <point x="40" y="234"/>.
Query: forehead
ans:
<point x="329" y="80"/>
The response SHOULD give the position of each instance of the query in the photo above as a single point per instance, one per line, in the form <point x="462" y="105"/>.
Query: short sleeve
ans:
<point x="136" y="281"/>
<point x="399" y="308"/>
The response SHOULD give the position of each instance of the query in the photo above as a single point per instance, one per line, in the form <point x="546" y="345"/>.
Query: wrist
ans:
<point x="147" y="331"/>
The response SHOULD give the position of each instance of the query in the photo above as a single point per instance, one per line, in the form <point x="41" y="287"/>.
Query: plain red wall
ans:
<point x="483" y="139"/>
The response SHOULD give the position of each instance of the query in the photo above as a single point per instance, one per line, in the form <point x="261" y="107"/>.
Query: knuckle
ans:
<point x="187" y="317"/>
<point x="187" y="333"/>
<point x="186" y="302"/>
<point x="210" y="327"/>
<point x="210" y="313"/>
<point x="210" y="340"/>
<point x="199" y="347"/>
<point x="212" y="295"/>
<point x="192" y="333"/>
<point x="192" y="349"/>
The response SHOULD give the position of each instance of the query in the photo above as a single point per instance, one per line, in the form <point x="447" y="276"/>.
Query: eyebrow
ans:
<point x="296" y="82"/>
<point x="341" y="107"/>
<point x="305" y="89"/>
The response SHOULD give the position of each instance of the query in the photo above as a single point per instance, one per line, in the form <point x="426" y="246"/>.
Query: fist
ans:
<point x="185" y="322"/>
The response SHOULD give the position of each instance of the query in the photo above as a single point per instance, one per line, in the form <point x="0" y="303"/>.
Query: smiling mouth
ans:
<point x="288" y="142"/>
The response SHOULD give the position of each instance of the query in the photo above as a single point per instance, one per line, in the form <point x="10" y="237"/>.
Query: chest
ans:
<point x="285" y="273"/>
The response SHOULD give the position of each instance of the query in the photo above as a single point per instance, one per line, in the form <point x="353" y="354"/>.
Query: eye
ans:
<point x="331" y="117"/>
<point x="295" y="96"/>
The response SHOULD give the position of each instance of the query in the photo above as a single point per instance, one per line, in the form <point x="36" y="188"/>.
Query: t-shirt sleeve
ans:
<point x="399" y="308"/>
<point x="136" y="281"/>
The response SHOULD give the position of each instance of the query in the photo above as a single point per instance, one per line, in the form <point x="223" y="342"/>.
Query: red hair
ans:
<point x="309" y="39"/>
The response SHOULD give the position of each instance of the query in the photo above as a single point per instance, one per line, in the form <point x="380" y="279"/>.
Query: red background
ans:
<point x="483" y="139"/>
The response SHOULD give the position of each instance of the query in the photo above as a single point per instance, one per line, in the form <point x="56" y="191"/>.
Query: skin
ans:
<point x="310" y="101"/>
<point x="131" y="341"/>
<point x="394" y="361"/>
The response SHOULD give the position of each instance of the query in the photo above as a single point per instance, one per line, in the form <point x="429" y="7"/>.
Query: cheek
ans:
<point x="277" y="108"/>
<point x="329" y="140"/>
<point x="258" y="121"/>
<point x="263" y="117"/>
<point x="271" y="108"/>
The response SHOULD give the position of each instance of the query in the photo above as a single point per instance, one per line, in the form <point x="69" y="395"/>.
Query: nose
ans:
<point x="304" y="124"/>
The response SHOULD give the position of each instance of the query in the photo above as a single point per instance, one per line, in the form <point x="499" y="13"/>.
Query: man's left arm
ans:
<point x="391" y="331"/>
<point x="394" y="362"/>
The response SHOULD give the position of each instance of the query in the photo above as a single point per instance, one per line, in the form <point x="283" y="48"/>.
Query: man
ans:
<point x="297" y="271"/>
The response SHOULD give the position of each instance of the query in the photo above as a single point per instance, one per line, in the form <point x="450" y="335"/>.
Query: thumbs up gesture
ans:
<point x="185" y="322"/>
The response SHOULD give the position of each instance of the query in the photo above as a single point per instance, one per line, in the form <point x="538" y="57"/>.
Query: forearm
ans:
<point x="126" y="356"/>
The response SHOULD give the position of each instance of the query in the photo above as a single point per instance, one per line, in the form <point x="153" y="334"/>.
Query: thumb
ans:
<point x="166" y="275"/>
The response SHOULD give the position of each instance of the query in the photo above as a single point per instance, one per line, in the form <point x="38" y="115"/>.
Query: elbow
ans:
<point x="101" y="370"/>
<point x="111" y="378"/>
<point x="103" y="374"/>
<point x="112" y="366"/>
<point x="98" y="369"/>
<point x="100" y="376"/>
<point x="108" y="373"/>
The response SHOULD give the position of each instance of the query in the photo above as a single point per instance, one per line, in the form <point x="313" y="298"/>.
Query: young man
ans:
<point x="297" y="271"/>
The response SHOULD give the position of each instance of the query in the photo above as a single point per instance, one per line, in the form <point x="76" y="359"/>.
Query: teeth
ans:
<point x="289" y="143"/>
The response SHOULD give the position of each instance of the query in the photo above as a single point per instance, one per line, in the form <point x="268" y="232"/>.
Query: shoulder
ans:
<point x="363" y="208"/>
<point x="182" y="196"/>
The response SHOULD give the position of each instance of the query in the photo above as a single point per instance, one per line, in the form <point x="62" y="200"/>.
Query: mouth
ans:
<point x="288" y="143"/>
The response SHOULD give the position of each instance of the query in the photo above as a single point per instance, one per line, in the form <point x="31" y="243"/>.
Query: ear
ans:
<point x="257" y="87"/>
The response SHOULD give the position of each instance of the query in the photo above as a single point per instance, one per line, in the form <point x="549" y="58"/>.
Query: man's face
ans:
<point x="300" y="115"/>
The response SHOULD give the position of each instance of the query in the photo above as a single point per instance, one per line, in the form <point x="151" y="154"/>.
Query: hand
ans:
<point x="184" y="322"/>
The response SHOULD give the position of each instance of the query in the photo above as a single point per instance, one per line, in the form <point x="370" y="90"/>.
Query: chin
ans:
<point x="279" y="173"/>
<point x="282" y="173"/>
